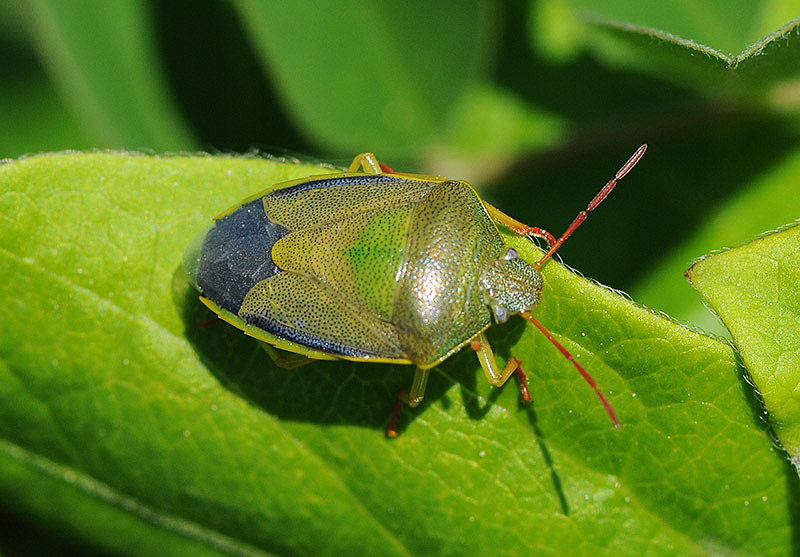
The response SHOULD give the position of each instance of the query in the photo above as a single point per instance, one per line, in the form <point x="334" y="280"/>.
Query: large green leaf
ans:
<point x="115" y="403"/>
<point x="754" y="290"/>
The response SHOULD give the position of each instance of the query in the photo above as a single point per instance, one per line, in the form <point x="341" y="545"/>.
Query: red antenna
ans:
<point x="601" y="195"/>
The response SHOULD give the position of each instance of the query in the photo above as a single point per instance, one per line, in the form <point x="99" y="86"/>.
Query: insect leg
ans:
<point x="486" y="358"/>
<point x="283" y="359"/>
<point x="417" y="392"/>
<point x="494" y="375"/>
<point x="412" y="398"/>
<point x="518" y="227"/>
<point x="367" y="161"/>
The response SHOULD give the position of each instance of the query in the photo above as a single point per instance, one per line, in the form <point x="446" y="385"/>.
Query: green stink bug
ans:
<point x="375" y="265"/>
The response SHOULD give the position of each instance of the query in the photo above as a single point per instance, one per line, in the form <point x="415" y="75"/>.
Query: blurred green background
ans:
<point x="535" y="103"/>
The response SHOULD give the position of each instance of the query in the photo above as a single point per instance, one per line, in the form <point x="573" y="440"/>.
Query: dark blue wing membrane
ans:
<point x="237" y="254"/>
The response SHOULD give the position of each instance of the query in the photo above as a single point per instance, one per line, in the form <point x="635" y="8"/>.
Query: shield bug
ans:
<point x="374" y="265"/>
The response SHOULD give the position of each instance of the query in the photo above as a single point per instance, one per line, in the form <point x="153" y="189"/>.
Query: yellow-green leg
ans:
<point x="412" y="397"/>
<point x="517" y="227"/>
<point x="284" y="359"/>
<point x="367" y="161"/>
<point x="417" y="392"/>
<point x="494" y="375"/>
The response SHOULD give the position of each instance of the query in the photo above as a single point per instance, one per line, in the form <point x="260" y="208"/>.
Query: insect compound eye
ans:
<point x="500" y="314"/>
<point x="510" y="254"/>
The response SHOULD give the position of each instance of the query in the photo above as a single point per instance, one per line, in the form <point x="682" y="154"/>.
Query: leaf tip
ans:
<point x="688" y="272"/>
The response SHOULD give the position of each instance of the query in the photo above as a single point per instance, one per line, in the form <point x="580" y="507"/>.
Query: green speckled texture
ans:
<point x="389" y="270"/>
